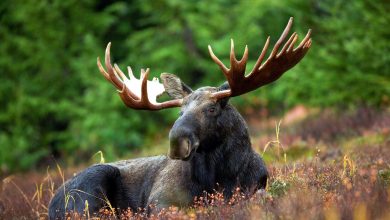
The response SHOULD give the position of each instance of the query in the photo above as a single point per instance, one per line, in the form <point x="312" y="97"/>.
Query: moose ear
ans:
<point x="174" y="87"/>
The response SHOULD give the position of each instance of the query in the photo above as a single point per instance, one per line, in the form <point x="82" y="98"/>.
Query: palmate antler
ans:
<point x="133" y="92"/>
<point x="262" y="74"/>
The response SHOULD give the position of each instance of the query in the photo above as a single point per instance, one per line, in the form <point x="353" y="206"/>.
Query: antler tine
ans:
<point x="102" y="70"/>
<point x="224" y="69"/>
<point x="262" y="55"/>
<point x="291" y="47"/>
<point x="290" y="42"/>
<point x="118" y="70"/>
<point x="130" y="73"/>
<point x="244" y="58"/>
<point x="305" y="39"/>
<point x="232" y="54"/>
<point x="111" y="72"/>
<point x="144" y="86"/>
<point x="308" y="44"/>
<point x="282" y="37"/>
<point x="100" y="66"/>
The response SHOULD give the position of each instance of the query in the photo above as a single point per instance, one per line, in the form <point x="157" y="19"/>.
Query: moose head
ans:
<point x="202" y="109"/>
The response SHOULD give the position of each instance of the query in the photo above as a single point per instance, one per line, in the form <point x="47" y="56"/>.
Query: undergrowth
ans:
<point x="350" y="181"/>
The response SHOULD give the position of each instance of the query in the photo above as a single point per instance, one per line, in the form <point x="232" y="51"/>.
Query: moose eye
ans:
<point x="212" y="109"/>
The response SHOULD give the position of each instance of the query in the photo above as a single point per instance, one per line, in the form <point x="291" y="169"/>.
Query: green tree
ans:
<point x="55" y="103"/>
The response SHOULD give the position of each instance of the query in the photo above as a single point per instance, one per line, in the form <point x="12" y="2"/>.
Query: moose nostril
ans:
<point x="180" y="148"/>
<point x="184" y="146"/>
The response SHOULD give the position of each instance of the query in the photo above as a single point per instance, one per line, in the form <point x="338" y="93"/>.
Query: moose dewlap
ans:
<point x="209" y="143"/>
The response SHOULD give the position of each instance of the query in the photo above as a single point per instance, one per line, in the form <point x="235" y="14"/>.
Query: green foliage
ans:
<point x="348" y="64"/>
<point x="278" y="188"/>
<point x="384" y="176"/>
<point x="54" y="102"/>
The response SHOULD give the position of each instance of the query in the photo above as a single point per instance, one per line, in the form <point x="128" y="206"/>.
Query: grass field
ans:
<point x="322" y="164"/>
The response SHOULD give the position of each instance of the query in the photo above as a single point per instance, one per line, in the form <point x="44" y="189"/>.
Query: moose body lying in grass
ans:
<point x="209" y="143"/>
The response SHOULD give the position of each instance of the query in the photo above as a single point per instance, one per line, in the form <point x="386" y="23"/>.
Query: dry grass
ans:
<point x="344" y="179"/>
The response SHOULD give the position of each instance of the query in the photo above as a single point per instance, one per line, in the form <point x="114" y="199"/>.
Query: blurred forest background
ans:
<point x="55" y="104"/>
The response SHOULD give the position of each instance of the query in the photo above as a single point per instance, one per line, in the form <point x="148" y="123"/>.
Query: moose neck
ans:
<point x="219" y="157"/>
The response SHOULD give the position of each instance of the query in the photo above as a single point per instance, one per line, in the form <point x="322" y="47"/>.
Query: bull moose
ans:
<point x="209" y="143"/>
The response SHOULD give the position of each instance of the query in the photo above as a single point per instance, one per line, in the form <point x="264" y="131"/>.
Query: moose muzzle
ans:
<point x="183" y="141"/>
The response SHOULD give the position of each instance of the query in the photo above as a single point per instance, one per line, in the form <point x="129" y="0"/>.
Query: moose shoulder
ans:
<point x="210" y="146"/>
